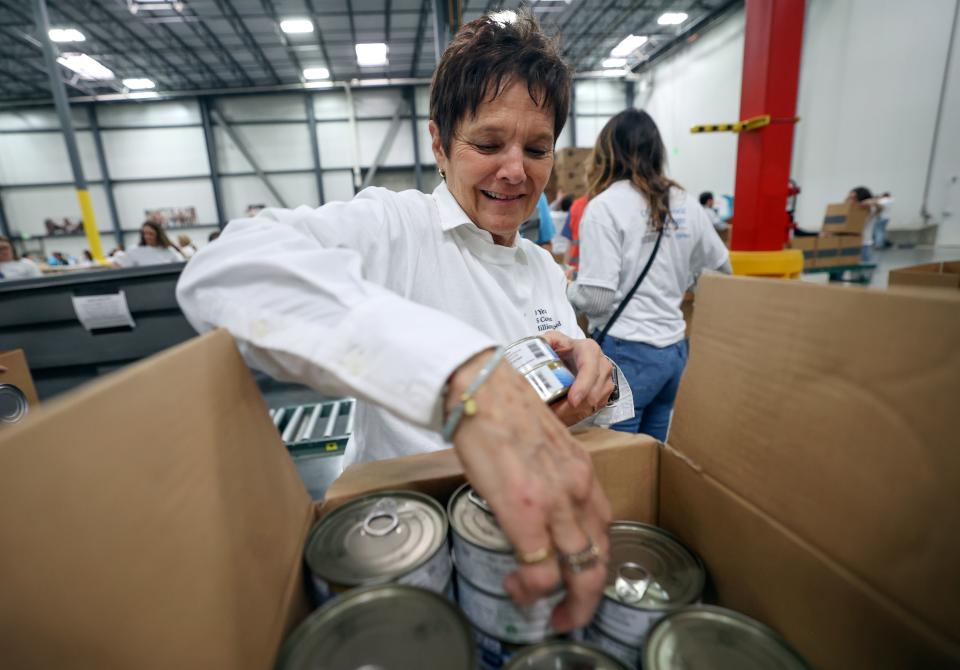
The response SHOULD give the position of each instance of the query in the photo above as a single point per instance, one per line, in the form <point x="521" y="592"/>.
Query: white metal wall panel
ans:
<point x="37" y="158"/>
<point x="263" y="107"/>
<point x="158" y="152"/>
<point x="174" y="112"/>
<point x="426" y="152"/>
<point x="241" y="192"/>
<point x="336" y="144"/>
<point x="133" y="199"/>
<point x="40" y="118"/>
<point x="600" y="96"/>
<point x="337" y="186"/>
<point x="331" y="105"/>
<point x="372" y="134"/>
<point x="283" y="146"/>
<point x="423" y="101"/>
<point x="566" y="138"/>
<point x="378" y="102"/>
<point x="27" y="208"/>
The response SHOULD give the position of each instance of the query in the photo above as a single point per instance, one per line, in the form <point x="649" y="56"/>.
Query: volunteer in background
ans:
<point x="639" y="219"/>
<point x="572" y="232"/>
<point x="12" y="266"/>
<point x="706" y="201"/>
<point x="186" y="246"/>
<point x="401" y="299"/>
<point x="883" y="204"/>
<point x="155" y="248"/>
<point x="863" y="196"/>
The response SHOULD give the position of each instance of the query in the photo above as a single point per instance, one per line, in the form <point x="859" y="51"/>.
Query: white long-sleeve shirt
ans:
<point x="381" y="297"/>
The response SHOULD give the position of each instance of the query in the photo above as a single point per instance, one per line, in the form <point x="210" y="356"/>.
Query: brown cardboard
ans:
<point x="18" y="374"/>
<point x="808" y="245"/>
<point x="837" y="250"/>
<point x="845" y="217"/>
<point x="838" y="427"/>
<point x="929" y="275"/>
<point x="150" y="520"/>
<point x="570" y="170"/>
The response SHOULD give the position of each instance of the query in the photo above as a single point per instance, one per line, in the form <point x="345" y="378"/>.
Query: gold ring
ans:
<point x="534" y="557"/>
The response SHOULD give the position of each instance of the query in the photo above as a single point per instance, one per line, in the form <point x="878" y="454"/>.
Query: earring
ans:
<point x="443" y="175"/>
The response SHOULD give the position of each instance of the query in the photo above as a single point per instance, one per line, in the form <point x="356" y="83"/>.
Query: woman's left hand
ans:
<point x="594" y="377"/>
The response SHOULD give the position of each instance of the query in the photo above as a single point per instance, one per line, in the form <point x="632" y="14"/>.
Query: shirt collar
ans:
<point x="452" y="215"/>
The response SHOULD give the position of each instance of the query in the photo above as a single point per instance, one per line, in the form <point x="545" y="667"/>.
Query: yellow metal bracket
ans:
<point x="753" y="123"/>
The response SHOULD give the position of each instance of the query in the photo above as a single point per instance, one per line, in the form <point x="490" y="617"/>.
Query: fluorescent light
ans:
<point x="316" y="73"/>
<point x="672" y="18"/>
<point x="614" y="73"/>
<point x="614" y="62"/>
<point x="139" y="83"/>
<point x="143" y="95"/>
<point x="66" y="35"/>
<point x="628" y="45"/>
<point x="372" y="53"/>
<point x="296" y="26"/>
<point x="86" y="67"/>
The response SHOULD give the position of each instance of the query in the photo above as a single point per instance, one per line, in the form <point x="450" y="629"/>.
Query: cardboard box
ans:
<point x="808" y="245"/>
<point x="18" y="374"/>
<point x="821" y="491"/>
<point x="931" y="275"/>
<point x="845" y="217"/>
<point x="839" y="250"/>
<point x="570" y="170"/>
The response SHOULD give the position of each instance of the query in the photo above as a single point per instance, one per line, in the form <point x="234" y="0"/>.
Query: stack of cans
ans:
<point x="484" y="557"/>
<point x="535" y="359"/>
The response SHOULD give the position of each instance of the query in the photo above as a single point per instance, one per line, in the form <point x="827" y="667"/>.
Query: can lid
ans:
<point x="563" y="655"/>
<point x="376" y="538"/>
<point x="391" y="626"/>
<point x="718" y="639"/>
<point x="13" y="404"/>
<point x="473" y="520"/>
<point x="651" y="569"/>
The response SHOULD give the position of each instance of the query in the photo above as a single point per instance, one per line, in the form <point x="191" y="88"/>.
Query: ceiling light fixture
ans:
<point x="672" y="18"/>
<point x="294" y="26"/>
<point x="371" y="54"/>
<point x="139" y="83"/>
<point x="628" y="45"/>
<point x="614" y="62"/>
<point x="66" y="35"/>
<point x="312" y="73"/>
<point x="86" y="67"/>
<point x="143" y="95"/>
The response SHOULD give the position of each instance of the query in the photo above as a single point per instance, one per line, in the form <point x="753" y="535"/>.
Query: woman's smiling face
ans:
<point x="499" y="161"/>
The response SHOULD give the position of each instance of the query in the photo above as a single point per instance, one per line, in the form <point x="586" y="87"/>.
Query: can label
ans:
<point x="551" y="382"/>
<point x="501" y="618"/>
<point x="485" y="569"/>
<point x="625" y="624"/>
<point x="530" y="352"/>
<point x="492" y="654"/>
<point x="435" y="575"/>
<point x="626" y="654"/>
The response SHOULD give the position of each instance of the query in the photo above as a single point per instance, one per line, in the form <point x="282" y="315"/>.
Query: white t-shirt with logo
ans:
<point x="19" y="269"/>
<point x="381" y="297"/>
<point x="615" y="243"/>
<point x="148" y="256"/>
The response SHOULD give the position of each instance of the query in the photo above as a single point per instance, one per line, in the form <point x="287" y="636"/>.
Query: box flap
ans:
<point x="833" y="411"/>
<point x="625" y="465"/>
<point x="150" y="520"/>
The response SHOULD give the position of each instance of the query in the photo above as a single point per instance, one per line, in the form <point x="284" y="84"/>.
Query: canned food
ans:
<point x="535" y="359"/>
<point x="395" y="536"/>
<point x="563" y="655"/>
<point x="390" y="626"/>
<point x="650" y="573"/>
<point x="493" y="654"/>
<point x="483" y="553"/>
<point x="530" y="352"/>
<point x="501" y="618"/>
<point x="627" y="654"/>
<point x="719" y="639"/>
<point x="13" y="404"/>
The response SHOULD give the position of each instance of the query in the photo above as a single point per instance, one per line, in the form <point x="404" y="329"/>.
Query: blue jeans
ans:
<point x="654" y="377"/>
<point x="880" y="233"/>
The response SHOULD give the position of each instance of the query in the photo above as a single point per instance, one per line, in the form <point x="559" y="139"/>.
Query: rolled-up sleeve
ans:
<point x="307" y="295"/>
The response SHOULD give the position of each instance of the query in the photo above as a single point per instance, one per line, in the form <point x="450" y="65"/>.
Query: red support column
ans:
<point x="771" y="74"/>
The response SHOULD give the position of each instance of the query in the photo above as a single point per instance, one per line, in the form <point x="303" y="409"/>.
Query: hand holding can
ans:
<point x="593" y="383"/>
<point x="540" y="484"/>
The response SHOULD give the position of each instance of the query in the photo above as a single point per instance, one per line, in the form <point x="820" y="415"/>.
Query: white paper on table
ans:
<point x="108" y="310"/>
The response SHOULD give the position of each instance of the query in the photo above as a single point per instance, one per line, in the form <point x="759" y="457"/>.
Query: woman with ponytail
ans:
<point x="643" y="242"/>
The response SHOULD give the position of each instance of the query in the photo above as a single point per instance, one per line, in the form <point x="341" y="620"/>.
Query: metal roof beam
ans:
<point x="193" y="54"/>
<point x="319" y="33"/>
<point x="212" y="42"/>
<point x="419" y="41"/>
<point x="617" y="21"/>
<point x="271" y="10"/>
<point x="239" y="27"/>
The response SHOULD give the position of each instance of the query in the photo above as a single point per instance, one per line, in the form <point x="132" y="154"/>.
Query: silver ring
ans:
<point x="582" y="560"/>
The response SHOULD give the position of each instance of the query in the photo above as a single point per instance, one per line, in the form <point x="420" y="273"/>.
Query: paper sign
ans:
<point x="108" y="310"/>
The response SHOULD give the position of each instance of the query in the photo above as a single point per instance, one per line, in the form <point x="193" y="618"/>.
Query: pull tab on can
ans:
<point x="632" y="583"/>
<point x="480" y="502"/>
<point x="384" y="509"/>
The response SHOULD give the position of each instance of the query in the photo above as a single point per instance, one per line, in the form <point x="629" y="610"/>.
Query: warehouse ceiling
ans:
<point x="216" y="45"/>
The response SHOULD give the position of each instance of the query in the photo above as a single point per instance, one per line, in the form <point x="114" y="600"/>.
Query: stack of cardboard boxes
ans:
<point x="840" y="242"/>
<point x="569" y="172"/>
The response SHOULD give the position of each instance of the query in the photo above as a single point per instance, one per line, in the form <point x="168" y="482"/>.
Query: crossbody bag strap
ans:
<point x="626" y="299"/>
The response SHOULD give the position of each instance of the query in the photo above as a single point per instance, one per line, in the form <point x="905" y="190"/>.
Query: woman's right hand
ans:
<point x="539" y="483"/>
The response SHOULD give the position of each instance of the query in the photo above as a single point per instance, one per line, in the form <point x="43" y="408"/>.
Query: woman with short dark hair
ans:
<point x="403" y="300"/>
<point x="639" y="220"/>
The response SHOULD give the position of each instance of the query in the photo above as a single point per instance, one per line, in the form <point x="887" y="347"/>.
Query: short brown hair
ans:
<point x="13" y="247"/>
<point x="484" y="56"/>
